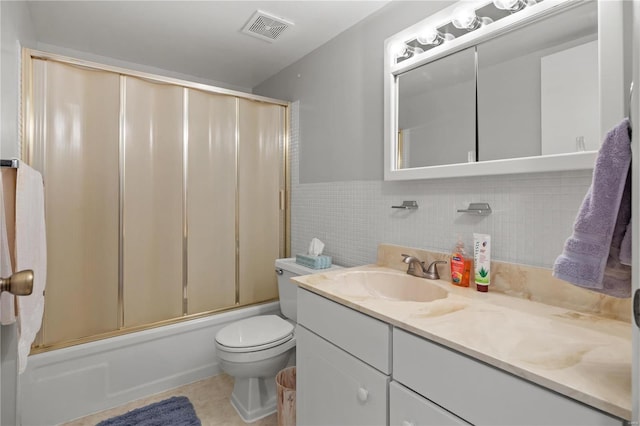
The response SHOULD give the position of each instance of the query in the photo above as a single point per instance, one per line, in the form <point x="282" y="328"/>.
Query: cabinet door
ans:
<point x="335" y="388"/>
<point x="341" y="325"/>
<point x="481" y="394"/>
<point x="407" y="408"/>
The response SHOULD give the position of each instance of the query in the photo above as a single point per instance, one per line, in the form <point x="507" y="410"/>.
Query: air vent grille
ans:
<point x="266" y="26"/>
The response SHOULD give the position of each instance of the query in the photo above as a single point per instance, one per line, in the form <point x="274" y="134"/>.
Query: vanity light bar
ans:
<point x="465" y="17"/>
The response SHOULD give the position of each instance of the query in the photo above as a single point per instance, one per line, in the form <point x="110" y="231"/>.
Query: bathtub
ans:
<point x="72" y="382"/>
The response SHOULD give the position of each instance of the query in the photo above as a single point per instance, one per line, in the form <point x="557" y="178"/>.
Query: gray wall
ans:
<point x="338" y="192"/>
<point x="340" y="89"/>
<point x="16" y="31"/>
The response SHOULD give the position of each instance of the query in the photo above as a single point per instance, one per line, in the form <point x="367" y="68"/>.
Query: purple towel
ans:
<point x="591" y="256"/>
<point x="625" y="247"/>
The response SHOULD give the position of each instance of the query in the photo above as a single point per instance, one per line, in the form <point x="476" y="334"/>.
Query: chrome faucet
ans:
<point x="417" y="269"/>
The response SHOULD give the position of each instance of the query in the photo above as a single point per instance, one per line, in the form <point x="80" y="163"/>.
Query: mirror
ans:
<point x="519" y="94"/>
<point x="539" y="85"/>
<point x="436" y="103"/>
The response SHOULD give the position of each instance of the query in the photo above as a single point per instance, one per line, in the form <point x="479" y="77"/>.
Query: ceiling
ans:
<point x="198" y="38"/>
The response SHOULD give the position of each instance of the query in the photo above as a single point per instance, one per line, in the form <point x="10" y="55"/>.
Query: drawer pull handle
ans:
<point x="407" y="423"/>
<point x="363" y="394"/>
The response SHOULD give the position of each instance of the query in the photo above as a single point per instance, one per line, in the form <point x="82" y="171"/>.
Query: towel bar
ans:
<point x="13" y="163"/>
<point x="408" y="205"/>
<point x="482" y="209"/>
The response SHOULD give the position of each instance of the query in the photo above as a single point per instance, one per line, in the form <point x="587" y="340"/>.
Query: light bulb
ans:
<point x="405" y="51"/>
<point x="433" y="36"/>
<point x="510" y="5"/>
<point x="465" y="18"/>
<point x="397" y="49"/>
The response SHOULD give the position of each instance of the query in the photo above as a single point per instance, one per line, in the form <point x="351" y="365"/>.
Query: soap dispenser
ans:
<point x="460" y="265"/>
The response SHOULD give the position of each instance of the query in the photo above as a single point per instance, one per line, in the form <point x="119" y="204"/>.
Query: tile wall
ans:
<point x="532" y="215"/>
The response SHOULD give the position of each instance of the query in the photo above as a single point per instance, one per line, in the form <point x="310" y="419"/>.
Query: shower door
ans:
<point x="152" y="201"/>
<point x="77" y="112"/>
<point x="261" y="132"/>
<point x="164" y="198"/>
<point x="211" y="201"/>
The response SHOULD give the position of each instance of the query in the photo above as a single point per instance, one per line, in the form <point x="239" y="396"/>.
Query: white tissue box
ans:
<point x="314" y="262"/>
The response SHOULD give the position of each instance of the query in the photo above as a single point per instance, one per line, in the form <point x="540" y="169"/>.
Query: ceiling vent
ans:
<point x="266" y="26"/>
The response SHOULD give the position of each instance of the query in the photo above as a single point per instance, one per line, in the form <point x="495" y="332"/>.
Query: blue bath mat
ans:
<point x="175" y="411"/>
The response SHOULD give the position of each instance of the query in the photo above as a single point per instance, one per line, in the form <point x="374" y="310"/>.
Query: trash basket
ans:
<point x="286" y="390"/>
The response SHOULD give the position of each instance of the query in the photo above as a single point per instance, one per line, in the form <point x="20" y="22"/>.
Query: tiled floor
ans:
<point x="209" y="397"/>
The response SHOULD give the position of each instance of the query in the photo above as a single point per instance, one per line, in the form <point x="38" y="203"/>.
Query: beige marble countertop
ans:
<point x="582" y="356"/>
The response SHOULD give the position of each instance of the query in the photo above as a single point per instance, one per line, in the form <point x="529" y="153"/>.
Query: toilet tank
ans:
<point x="285" y="270"/>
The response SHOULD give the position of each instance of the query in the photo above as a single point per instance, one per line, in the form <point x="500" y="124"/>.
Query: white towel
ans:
<point x="7" y="300"/>
<point x="31" y="253"/>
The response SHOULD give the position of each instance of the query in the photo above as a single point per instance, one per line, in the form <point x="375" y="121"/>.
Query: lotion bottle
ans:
<point x="482" y="261"/>
<point x="459" y="265"/>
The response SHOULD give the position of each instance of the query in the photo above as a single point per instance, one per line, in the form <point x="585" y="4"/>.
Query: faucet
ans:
<point x="417" y="269"/>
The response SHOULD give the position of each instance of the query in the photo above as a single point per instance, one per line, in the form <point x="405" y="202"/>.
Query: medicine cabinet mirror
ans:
<point x="531" y="89"/>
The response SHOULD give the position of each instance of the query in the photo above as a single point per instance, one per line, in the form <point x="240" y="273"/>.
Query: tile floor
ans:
<point x="209" y="397"/>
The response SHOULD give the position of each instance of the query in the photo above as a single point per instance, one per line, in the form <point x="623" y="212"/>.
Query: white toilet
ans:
<point x="254" y="349"/>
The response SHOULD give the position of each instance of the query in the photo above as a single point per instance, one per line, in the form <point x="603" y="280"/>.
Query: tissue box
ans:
<point x="313" y="262"/>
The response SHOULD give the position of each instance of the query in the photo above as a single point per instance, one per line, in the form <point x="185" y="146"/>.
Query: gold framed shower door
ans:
<point x="132" y="199"/>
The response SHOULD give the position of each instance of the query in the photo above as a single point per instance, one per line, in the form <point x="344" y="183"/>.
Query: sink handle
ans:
<point x="432" y="270"/>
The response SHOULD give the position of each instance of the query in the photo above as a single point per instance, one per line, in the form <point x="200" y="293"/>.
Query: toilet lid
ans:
<point x="260" y="331"/>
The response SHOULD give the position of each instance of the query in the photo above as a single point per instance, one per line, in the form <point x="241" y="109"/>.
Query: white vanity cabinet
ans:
<point x="343" y="364"/>
<point x="354" y="369"/>
<point x="479" y="393"/>
<point x="407" y="408"/>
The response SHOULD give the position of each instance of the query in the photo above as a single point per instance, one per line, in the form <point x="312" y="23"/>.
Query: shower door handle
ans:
<point x="18" y="284"/>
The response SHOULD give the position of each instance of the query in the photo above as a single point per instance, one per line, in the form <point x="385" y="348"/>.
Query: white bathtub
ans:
<point x="68" y="383"/>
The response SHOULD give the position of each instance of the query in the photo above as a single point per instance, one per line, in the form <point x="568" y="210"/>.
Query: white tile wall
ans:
<point x="532" y="215"/>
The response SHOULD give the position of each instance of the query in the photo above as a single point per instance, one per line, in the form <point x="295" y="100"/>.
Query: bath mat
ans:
<point x="175" y="411"/>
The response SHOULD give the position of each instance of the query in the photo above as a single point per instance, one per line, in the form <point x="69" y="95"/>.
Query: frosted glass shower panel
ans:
<point x="164" y="201"/>
<point x="211" y="201"/>
<point x="76" y="149"/>
<point x="261" y="129"/>
<point x="153" y="181"/>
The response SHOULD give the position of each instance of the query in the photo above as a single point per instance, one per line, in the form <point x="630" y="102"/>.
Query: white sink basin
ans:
<point x="388" y="286"/>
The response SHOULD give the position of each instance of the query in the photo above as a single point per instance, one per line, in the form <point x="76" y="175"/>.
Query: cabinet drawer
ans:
<point x="362" y="336"/>
<point x="335" y="388"/>
<point x="407" y="408"/>
<point x="481" y="394"/>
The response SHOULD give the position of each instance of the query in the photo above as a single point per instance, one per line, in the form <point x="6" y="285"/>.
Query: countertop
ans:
<point x="582" y="356"/>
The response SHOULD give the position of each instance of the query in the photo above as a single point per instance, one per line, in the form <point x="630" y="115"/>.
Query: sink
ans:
<point x="388" y="286"/>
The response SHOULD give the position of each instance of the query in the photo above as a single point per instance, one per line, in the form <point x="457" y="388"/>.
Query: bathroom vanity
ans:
<point x="369" y="353"/>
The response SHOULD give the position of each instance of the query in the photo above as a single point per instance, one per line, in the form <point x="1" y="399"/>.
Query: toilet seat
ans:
<point x="254" y="334"/>
<point x="249" y="356"/>
<point x="255" y="348"/>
